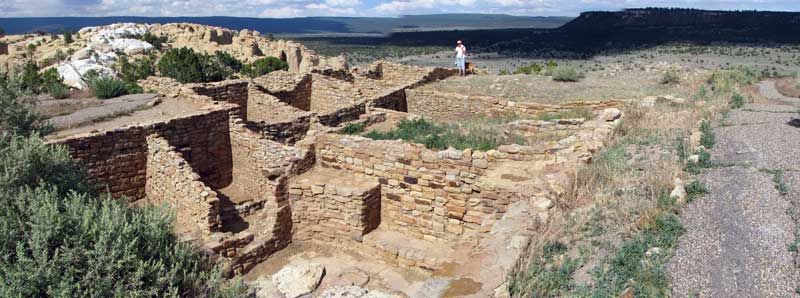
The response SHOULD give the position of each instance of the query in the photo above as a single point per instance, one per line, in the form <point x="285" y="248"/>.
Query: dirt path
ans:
<point x="737" y="238"/>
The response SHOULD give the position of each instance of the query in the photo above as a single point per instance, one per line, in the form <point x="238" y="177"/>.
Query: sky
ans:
<point x="301" y="8"/>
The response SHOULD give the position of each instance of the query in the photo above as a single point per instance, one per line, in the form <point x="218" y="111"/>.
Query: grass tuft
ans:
<point x="353" y="128"/>
<point x="708" y="139"/>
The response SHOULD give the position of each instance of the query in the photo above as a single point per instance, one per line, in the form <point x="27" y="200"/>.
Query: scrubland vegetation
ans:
<point x="619" y="225"/>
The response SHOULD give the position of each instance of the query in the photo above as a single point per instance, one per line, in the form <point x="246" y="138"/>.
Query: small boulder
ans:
<point x="264" y="288"/>
<point x="610" y="114"/>
<point x="679" y="192"/>
<point x="296" y="280"/>
<point x="694" y="158"/>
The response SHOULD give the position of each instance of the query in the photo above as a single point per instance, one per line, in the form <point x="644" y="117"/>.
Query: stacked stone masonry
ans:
<point x="172" y="181"/>
<point x="334" y="208"/>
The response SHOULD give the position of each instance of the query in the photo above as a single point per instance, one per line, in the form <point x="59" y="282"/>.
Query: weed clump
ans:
<point x="353" y="128"/>
<point x="737" y="101"/>
<point x="670" y="77"/>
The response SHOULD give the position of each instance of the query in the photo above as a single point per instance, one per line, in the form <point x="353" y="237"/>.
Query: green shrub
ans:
<point x="670" y="77"/>
<point x="726" y="80"/>
<point x="17" y="114"/>
<point x="264" y="66"/>
<point x="708" y="139"/>
<point x="139" y="69"/>
<point x="528" y="70"/>
<point x="228" y="60"/>
<point x="695" y="189"/>
<point x="156" y="41"/>
<point x="353" y="128"/>
<point x="31" y="80"/>
<point x="109" y="87"/>
<point x="68" y="37"/>
<point x="737" y="101"/>
<point x="57" y="90"/>
<point x="566" y="74"/>
<point x="504" y="72"/>
<point x="186" y="66"/>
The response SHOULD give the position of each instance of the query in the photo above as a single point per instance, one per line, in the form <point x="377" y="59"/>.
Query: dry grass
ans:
<point x="788" y="86"/>
<point x="622" y="193"/>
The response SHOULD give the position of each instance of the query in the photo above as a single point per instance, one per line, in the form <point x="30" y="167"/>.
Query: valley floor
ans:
<point x="740" y="240"/>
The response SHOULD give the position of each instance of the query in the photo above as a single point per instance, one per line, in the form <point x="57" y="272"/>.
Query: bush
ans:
<point x="566" y="74"/>
<point x="528" y="70"/>
<point x="353" y="128"/>
<point x="707" y="138"/>
<point x="186" y="66"/>
<point x="139" y="69"/>
<point x="31" y="80"/>
<point x="109" y="87"/>
<point x="670" y="77"/>
<point x="17" y="116"/>
<point x="68" y="37"/>
<point x="156" y="41"/>
<point x="737" y="101"/>
<point x="264" y="66"/>
<point x="228" y="60"/>
<point x="57" y="90"/>
<point x="726" y="80"/>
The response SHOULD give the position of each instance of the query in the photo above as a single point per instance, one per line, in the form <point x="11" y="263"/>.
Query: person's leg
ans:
<point x="462" y="66"/>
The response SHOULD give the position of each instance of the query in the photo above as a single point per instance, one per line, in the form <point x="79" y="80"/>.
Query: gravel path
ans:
<point x="737" y="237"/>
<point x="122" y="104"/>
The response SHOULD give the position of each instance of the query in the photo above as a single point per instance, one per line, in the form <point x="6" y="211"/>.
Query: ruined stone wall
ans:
<point x="426" y="194"/>
<point x="342" y="115"/>
<point x="276" y="120"/>
<point x="334" y="213"/>
<point x="447" y="106"/>
<point x="410" y="75"/>
<point x="172" y="181"/>
<point x="118" y="158"/>
<point x="290" y="88"/>
<point x="235" y="92"/>
<point x="3" y="48"/>
<point x="330" y="94"/>
<point x="395" y="101"/>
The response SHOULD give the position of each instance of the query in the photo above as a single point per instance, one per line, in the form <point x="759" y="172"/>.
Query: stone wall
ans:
<point x="426" y="194"/>
<point x="235" y="92"/>
<point x="293" y="89"/>
<point x="328" y="211"/>
<point x="117" y="158"/>
<point x="395" y="100"/>
<point x="276" y="120"/>
<point x="448" y="106"/>
<point x="3" y="48"/>
<point x="172" y="181"/>
<point x="340" y="116"/>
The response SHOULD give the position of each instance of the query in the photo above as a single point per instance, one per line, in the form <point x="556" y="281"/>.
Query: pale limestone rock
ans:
<point x="693" y="158"/>
<point x="296" y="280"/>
<point x="543" y="204"/>
<point x="264" y="288"/>
<point x="610" y="114"/>
<point x="679" y="191"/>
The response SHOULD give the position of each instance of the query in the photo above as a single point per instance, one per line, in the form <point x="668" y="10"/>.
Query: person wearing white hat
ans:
<point x="461" y="57"/>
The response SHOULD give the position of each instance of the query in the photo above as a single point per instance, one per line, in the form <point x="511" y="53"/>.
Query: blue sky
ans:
<point x="299" y="8"/>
